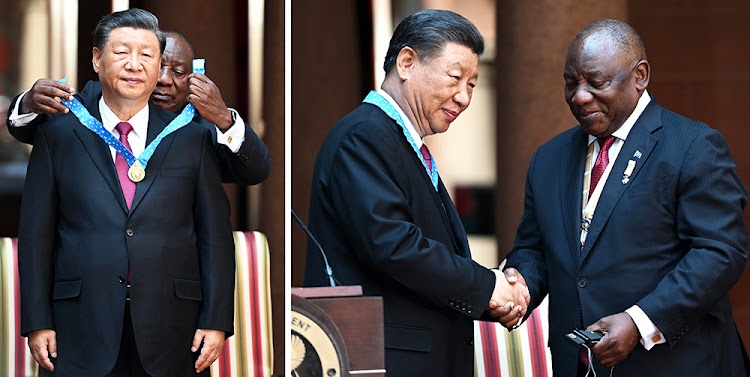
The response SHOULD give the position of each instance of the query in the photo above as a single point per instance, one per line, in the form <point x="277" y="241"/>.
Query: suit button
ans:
<point x="129" y="232"/>
<point x="121" y="279"/>
<point x="582" y="282"/>
<point x="470" y="341"/>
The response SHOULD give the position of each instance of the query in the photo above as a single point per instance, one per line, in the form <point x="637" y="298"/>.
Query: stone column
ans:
<point x="331" y="74"/>
<point x="532" y="40"/>
<point x="272" y="213"/>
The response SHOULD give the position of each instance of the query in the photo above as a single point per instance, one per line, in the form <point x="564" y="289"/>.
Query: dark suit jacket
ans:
<point x="384" y="227"/>
<point x="249" y="166"/>
<point x="77" y="238"/>
<point x="672" y="240"/>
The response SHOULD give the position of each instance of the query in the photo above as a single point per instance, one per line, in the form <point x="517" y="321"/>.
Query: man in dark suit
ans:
<point x="381" y="212"/>
<point x="124" y="274"/>
<point x="633" y="224"/>
<point x="242" y="155"/>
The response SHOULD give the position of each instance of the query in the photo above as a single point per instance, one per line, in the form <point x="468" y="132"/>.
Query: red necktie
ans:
<point x="128" y="186"/>
<point x="602" y="160"/>
<point x="426" y="155"/>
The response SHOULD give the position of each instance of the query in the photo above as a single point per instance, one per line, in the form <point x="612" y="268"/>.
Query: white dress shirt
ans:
<point x="234" y="136"/>
<point x="650" y="335"/>
<point x="136" y="137"/>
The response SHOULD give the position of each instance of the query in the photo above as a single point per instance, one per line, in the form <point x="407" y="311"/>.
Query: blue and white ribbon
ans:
<point x="96" y="126"/>
<point x="374" y="98"/>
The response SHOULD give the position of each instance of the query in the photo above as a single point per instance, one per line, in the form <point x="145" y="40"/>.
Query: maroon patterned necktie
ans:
<point x="426" y="155"/>
<point x="602" y="160"/>
<point x="128" y="186"/>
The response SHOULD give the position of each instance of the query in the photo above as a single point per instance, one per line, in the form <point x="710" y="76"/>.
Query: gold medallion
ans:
<point x="136" y="172"/>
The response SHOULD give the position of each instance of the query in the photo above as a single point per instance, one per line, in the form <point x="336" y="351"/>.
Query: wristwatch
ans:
<point x="234" y="116"/>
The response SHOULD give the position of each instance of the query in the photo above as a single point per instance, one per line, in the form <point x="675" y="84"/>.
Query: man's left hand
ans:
<point x="206" y="98"/>
<point x="620" y="337"/>
<point x="213" y="343"/>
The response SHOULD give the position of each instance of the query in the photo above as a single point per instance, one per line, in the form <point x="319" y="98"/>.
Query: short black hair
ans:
<point x="624" y="35"/>
<point x="135" y="18"/>
<point x="428" y="31"/>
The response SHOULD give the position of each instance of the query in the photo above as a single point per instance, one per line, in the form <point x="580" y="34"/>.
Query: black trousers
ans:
<point x="128" y="362"/>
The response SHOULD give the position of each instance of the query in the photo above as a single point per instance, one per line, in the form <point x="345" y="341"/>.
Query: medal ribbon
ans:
<point x="374" y="98"/>
<point x="96" y="126"/>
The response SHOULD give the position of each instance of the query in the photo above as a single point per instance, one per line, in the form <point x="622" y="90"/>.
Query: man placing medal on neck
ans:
<point x="128" y="77"/>
<point x="123" y="215"/>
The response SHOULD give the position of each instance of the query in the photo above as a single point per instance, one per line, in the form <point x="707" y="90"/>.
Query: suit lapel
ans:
<point x="157" y="121"/>
<point x="437" y="196"/>
<point x="452" y="221"/>
<point x="100" y="154"/>
<point x="572" y="160"/>
<point x="642" y="139"/>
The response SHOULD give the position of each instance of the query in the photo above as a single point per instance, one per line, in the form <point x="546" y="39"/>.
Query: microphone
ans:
<point x="329" y="270"/>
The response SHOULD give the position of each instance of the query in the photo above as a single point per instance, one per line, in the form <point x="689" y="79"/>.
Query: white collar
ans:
<point x="139" y="121"/>
<point x="407" y="123"/>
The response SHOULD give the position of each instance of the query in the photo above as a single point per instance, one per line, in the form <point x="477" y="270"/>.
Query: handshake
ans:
<point x="510" y="299"/>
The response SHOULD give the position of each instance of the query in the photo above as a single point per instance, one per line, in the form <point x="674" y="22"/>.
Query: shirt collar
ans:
<point x="139" y="121"/>
<point x="407" y="123"/>
<point x="624" y="130"/>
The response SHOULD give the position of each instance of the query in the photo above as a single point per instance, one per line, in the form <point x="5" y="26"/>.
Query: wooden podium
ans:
<point x="336" y="332"/>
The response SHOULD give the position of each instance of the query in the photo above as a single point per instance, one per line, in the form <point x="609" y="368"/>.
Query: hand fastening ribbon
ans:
<point x="137" y="170"/>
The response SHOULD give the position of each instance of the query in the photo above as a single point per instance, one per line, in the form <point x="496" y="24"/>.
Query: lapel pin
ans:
<point x="637" y="154"/>
<point x="628" y="171"/>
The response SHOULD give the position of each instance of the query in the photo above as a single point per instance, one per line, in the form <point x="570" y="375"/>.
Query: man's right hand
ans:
<point x="43" y="345"/>
<point x="44" y="98"/>
<point x="511" y="298"/>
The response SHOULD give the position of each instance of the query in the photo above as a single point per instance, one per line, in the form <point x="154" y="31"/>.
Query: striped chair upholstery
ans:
<point x="522" y="352"/>
<point x="15" y="359"/>
<point x="249" y="353"/>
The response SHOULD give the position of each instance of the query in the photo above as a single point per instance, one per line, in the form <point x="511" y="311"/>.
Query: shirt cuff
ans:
<point x="650" y="335"/>
<point x="234" y="136"/>
<point x="20" y="120"/>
